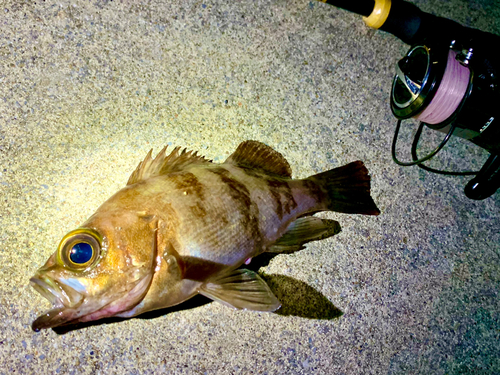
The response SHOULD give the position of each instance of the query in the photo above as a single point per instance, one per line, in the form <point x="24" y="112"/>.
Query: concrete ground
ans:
<point x="88" y="87"/>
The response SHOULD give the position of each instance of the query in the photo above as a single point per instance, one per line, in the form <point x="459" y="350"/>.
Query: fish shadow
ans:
<point x="191" y="303"/>
<point x="297" y="299"/>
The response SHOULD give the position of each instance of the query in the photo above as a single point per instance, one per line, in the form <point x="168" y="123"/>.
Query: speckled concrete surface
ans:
<point x="88" y="87"/>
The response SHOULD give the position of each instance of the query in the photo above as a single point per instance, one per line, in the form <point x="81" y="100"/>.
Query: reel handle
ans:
<point x="487" y="181"/>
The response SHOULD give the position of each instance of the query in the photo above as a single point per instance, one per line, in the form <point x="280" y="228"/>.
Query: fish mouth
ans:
<point x="71" y="307"/>
<point x="64" y="299"/>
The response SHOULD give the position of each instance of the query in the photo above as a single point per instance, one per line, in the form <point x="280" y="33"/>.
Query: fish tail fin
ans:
<point x="347" y="189"/>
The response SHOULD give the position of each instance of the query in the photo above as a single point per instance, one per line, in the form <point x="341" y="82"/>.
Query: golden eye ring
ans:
<point x="79" y="249"/>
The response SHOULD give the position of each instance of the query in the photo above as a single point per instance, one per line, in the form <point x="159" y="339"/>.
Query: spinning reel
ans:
<point x="448" y="81"/>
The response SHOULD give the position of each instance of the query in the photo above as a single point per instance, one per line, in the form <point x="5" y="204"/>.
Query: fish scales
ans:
<point x="183" y="226"/>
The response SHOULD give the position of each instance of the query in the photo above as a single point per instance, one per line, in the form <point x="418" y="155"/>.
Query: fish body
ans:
<point x="184" y="225"/>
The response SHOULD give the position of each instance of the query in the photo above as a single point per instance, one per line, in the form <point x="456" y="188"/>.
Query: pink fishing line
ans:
<point x="449" y="93"/>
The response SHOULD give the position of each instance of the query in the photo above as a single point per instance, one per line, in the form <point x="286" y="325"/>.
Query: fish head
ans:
<point x="99" y="270"/>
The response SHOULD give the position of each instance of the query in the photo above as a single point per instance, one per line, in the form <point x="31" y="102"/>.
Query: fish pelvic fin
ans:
<point x="257" y="155"/>
<point x="163" y="164"/>
<point x="304" y="230"/>
<point x="241" y="289"/>
<point x="347" y="189"/>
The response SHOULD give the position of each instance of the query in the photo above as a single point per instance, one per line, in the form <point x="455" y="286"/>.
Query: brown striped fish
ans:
<point x="184" y="225"/>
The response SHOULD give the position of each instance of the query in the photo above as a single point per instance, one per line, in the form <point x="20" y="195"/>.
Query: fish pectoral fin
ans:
<point x="241" y="289"/>
<point x="303" y="230"/>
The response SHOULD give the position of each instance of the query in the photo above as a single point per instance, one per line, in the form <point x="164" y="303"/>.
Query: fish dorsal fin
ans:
<point x="254" y="154"/>
<point x="163" y="164"/>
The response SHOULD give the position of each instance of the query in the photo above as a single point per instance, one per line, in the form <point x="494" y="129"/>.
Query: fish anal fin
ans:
<point x="241" y="289"/>
<point x="164" y="164"/>
<point x="303" y="230"/>
<point x="257" y="155"/>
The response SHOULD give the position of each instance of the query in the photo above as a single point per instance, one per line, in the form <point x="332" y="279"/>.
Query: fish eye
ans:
<point x="80" y="249"/>
<point x="81" y="253"/>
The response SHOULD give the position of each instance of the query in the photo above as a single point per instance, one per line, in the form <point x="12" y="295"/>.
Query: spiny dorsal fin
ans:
<point x="163" y="164"/>
<point x="253" y="154"/>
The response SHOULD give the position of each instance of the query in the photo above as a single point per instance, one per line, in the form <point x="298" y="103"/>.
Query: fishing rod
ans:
<point x="448" y="80"/>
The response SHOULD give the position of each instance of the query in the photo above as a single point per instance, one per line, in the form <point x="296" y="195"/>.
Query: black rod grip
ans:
<point x="408" y="23"/>
<point x="404" y="21"/>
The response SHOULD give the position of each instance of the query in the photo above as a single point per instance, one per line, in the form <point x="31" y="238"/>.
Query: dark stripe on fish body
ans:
<point x="237" y="190"/>
<point x="316" y="192"/>
<point x="290" y="203"/>
<point x="282" y="195"/>
<point x="189" y="183"/>
<point x="241" y="195"/>
<point x="198" y="211"/>
<point x="273" y="189"/>
<point x="279" y="189"/>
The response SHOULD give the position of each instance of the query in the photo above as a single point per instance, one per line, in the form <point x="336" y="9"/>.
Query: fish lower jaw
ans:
<point x="53" y="318"/>
<point x="64" y="303"/>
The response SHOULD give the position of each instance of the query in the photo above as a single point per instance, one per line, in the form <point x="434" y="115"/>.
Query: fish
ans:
<point x="184" y="225"/>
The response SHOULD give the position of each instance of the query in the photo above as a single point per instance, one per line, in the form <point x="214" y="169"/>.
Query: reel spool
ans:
<point x="438" y="86"/>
